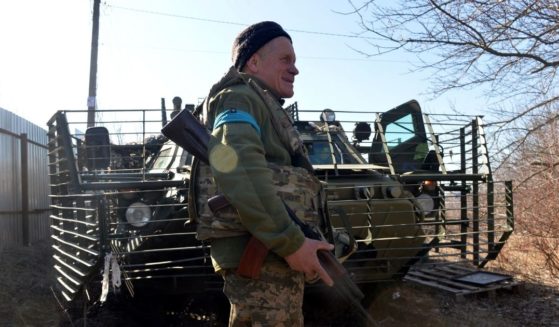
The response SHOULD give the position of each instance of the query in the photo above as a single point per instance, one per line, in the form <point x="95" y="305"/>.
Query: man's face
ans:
<point x="274" y="64"/>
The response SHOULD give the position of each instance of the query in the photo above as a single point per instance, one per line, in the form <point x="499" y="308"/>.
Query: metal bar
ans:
<point x="52" y="156"/>
<point x="124" y="176"/>
<point x="95" y="253"/>
<point x="4" y="131"/>
<point x="442" y="222"/>
<point x="73" y="257"/>
<point x="66" y="286"/>
<point x="463" y="195"/>
<point x="71" y="208"/>
<point x="475" y="194"/>
<point x="89" y="238"/>
<point x="81" y="215"/>
<point x="207" y="274"/>
<point x="66" y="275"/>
<point x="452" y="188"/>
<point x="435" y="142"/>
<point x="161" y="263"/>
<point x="68" y="153"/>
<point x="76" y="195"/>
<point x="384" y="145"/>
<point x="18" y="212"/>
<point x="24" y="190"/>
<point x="331" y="147"/>
<point x="439" y="177"/>
<point x="184" y="248"/>
<point x="64" y="263"/>
<point x="510" y="222"/>
<point x="509" y="204"/>
<point x="103" y="219"/>
<point x="490" y="214"/>
<point x="144" y="143"/>
<point x="93" y="186"/>
<point x="71" y="220"/>
<point x="483" y="145"/>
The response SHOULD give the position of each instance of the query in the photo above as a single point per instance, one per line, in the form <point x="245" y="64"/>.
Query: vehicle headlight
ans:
<point x="426" y="203"/>
<point x="328" y="115"/>
<point x="394" y="191"/>
<point x="138" y="214"/>
<point x="429" y="186"/>
<point x="362" y="131"/>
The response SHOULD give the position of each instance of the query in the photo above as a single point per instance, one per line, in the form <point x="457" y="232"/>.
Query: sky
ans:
<point x="150" y="50"/>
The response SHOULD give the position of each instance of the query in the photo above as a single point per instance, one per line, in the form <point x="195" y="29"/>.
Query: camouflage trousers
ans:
<point x="275" y="299"/>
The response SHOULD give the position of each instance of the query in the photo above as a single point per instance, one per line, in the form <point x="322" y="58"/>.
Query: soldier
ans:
<point x="255" y="159"/>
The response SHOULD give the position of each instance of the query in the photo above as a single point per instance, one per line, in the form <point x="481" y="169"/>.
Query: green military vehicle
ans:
<point x="408" y="189"/>
<point x="403" y="188"/>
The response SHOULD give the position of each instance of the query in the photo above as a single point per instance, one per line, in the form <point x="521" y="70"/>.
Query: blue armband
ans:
<point x="235" y="116"/>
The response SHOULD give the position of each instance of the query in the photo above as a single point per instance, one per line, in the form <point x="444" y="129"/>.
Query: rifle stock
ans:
<point x="189" y="133"/>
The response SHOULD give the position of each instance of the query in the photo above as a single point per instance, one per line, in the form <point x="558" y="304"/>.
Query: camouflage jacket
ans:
<point x="251" y="164"/>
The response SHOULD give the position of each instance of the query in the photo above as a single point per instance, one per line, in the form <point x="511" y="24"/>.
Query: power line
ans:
<point x="158" y="13"/>
<point x="208" y="20"/>
<point x="131" y="45"/>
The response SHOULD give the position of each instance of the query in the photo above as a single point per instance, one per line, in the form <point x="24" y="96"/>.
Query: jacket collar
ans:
<point x="234" y="77"/>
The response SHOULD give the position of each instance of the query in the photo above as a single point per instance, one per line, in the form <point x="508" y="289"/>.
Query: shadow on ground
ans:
<point x="26" y="299"/>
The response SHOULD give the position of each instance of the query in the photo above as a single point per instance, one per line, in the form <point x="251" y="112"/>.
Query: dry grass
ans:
<point x="525" y="262"/>
<point x="25" y="295"/>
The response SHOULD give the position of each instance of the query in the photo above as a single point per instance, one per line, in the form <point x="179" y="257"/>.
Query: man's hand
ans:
<point x="306" y="261"/>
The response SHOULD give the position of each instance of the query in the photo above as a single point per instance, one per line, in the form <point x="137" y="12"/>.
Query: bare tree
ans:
<point x="535" y="167"/>
<point x="508" y="48"/>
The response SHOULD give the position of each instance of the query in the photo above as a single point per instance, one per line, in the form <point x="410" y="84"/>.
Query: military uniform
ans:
<point x="251" y="150"/>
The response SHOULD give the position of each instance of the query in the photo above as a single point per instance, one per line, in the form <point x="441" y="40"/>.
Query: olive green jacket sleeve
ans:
<point x="239" y="154"/>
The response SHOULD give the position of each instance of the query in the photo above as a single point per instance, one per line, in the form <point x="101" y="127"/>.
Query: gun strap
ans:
<point x="252" y="259"/>
<point x="217" y="203"/>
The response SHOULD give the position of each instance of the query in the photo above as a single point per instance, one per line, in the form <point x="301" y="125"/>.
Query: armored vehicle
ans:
<point x="402" y="188"/>
<point x="408" y="189"/>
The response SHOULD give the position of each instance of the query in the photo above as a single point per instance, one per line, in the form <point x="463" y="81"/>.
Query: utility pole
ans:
<point x="92" y="99"/>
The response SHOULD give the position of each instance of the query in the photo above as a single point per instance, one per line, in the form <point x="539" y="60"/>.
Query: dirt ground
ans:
<point x="26" y="299"/>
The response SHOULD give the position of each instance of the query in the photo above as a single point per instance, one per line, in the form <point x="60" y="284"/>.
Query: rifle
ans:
<point x="189" y="133"/>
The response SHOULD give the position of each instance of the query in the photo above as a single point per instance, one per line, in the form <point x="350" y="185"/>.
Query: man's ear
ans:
<point x="251" y="65"/>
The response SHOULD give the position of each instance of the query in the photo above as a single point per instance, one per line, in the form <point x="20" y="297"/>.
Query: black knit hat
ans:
<point x="252" y="39"/>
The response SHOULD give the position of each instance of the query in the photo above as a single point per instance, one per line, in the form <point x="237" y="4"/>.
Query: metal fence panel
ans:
<point x="11" y="129"/>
